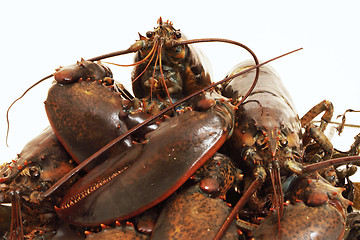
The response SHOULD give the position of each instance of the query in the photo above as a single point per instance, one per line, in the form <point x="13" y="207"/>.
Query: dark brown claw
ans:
<point x="86" y="116"/>
<point x="148" y="173"/>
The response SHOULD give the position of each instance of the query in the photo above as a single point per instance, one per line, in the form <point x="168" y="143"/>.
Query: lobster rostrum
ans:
<point x="134" y="163"/>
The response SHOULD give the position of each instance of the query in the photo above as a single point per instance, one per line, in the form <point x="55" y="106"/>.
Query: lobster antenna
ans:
<point x="133" y="48"/>
<point x="26" y="91"/>
<point x="132" y="130"/>
<point x="153" y="49"/>
<point x="320" y="165"/>
<point x="163" y="78"/>
<point x="152" y="57"/>
<point x="234" y="43"/>
<point x="153" y="74"/>
<point x="278" y="193"/>
<point x="350" y="125"/>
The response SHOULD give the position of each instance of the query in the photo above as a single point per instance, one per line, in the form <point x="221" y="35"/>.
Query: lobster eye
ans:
<point x="150" y="34"/>
<point x="177" y="34"/>
<point x="283" y="142"/>
<point x="34" y="172"/>
<point x="260" y="140"/>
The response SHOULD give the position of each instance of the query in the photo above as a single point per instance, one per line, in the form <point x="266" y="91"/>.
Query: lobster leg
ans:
<point x="316" y="110"/>
<point x="355" y="147"/>
<point x="321" y="139"/>
<point x="322" y="149"/>
<point x="317" y="133"/>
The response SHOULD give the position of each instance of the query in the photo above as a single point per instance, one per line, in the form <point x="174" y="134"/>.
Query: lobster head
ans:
<point x="166" y="67"/>
<point x="164" y="30"/>
<point x="270" y="130"/>
<point x="42" y="162"/>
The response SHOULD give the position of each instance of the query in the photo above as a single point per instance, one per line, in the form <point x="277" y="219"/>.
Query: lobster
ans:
<point x="267" y="140"/>
<point x="125" y="113"/>
<point x="131" y="163"/>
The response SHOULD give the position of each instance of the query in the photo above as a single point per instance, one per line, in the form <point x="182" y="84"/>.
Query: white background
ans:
<point x="38" y="36"/>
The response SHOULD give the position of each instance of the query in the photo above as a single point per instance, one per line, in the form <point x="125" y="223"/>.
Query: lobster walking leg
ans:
<point x="315" y="111"/>
<point x="322" y="149"/>
<point x="316" y="133"/>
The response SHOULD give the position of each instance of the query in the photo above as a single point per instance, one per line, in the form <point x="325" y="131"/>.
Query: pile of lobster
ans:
<point x="184" y="158"/>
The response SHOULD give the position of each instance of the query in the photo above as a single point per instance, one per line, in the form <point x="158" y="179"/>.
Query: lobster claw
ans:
<point x="84" y="70"/>
<point x="305" y="221"/>
<point x="86" y="116"/>
<point x="149" y="172"/>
